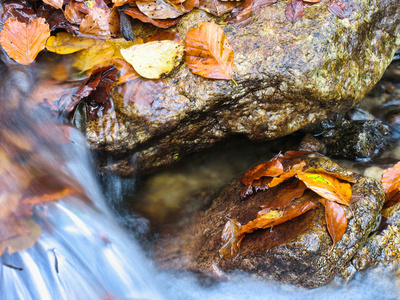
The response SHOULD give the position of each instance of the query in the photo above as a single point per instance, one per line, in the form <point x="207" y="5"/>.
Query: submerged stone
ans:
<point x="288" y="76"/>
<point x="295" y="252"/>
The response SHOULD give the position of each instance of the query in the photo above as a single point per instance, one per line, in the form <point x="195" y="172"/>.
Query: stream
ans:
<point x="102" y="249"/>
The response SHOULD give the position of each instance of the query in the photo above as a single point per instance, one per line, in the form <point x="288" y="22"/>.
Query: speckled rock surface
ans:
<point x="288" y="76"/>
<point x="295" y="252"/>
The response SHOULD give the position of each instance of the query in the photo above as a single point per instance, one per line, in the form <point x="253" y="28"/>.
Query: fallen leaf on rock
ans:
<point x="391" y="184"/>
<point x="340" y="9"/>
<point x="66" y="43"/>
<point x="342" y="176"/>
<point x="216" y="7"/>
<point x="55" y="3"/>
<point x="154" y="59"/>
<point x="336" y="221"/>
<point x="284" y="196"/>
<point x="208" y="52"/>
<point x="231" y="240"/>
<point x="327" y="186"/>
<point x="271" y="168"/>
<point x="244" y="15"/>
<point x="159" y="9"/>
<point x="135" y="13"/>
<point x="295" y="11"/>
<point x="165" y="35"/>
<point x="100" y="22"/>
<point x="142" y="91"/>
<point x="22" y="42"/>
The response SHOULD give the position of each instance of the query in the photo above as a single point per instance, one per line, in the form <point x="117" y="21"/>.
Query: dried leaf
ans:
<point x="336" y="221"/>
<point x="208" y="52"/>
<point x="66" y="43"/>
<point x="22" y="42"/>
<point x="217" y="8"/>
<point x="135" y="13"/>
<point x="271" y="168"/>
<point x="159" y="9"/>
<point x="340" y="9"/>
<point x="165" y="35"/>
<point x="327" y="186"/>
<point x="391" y="184"/>
<point x="55" y="3"/>
<point x="100" y="22"/>
<point x="154" y="59"/>
<point x="295" y="11"/>
<point x="73" y="14"/>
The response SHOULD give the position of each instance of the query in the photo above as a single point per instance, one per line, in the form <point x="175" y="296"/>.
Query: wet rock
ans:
<point x="288" y="76"/>
<point x="382" y="249"/>
<point x="295" y="252"/>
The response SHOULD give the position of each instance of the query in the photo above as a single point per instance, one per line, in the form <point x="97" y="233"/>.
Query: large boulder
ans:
<point x="296" y="252"/>
<point x="288" y="76"/>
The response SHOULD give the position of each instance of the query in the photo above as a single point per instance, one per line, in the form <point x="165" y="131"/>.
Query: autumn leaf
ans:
<point x="73" y="14"/>
<point x="295" y="11"/>
<point x="100" y="22"/>
<point x="242" y="16"/>
<point x="284" y="196"/>
<point x="216" y="7"/>
<point x="336" y="221"/>
<point x="231" y="240"/>
<point x="154" y="59"/>
<point x="55" y="3"/>
<point x="208" y="52"/>
<point x="66" y="43"/>
<point x="327" y="186"/>
<point x="340" y="9"/>
<point x="159" y="9"/>
<point x="165" y="35"/>
<point x="135" y="13"/>
<point x="271" y="168"/>
<point x="391" y="184"/>
<point x="22" y="42"/>
<point x="339" y="175"/>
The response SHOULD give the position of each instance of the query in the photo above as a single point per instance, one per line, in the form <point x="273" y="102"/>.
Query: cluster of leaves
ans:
<point x="334" y="189"/>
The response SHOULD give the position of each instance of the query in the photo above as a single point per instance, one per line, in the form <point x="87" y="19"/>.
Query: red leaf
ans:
<point x="271" y="168"/>
<point x="295" y="11"/>
<point x="336" y="221"/>
<point x="340" y="9"/>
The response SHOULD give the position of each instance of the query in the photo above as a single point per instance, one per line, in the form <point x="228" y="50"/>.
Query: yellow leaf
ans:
<point x="22" y="42"/>
<point x="152" y="60"/>
<point x="98" y="54"/>
<point x="66" y="43"/>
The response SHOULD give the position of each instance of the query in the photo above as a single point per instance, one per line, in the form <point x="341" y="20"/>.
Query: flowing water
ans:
<point x="83" y="251"/>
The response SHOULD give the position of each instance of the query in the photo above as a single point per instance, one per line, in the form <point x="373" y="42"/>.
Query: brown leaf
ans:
<point x="135" y="13"/>
<point x="391" y="184"/>
<point x="284" y="196"/>
<point x="271" y="168"/>
<point x="208" y="52"/>
<point x="73" y="14"/>
<point x="22" y="42"/>
<point x="165" y="35"/>
<point x="23" y="12"/>
<point x="55" y="3"/>
<point x="159" y="9"/>
<point x="292" y="154"/>
<point x="142" y="91"/>
<point x="295" y="11"/>
<point x="327" y="186"/>
<point x="100" y="22"/>
<point x="244" y="15"/>
<point x="231" y="240"/>
<point x="340" y="9"/>
<point x="336" y="221"/>
<point x="217" y="8"/>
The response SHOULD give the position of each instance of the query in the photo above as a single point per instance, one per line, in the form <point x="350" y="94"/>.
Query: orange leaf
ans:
<point x="164" y="35"/>
<point x="271" y="168"/>
<point x="208" y="52"/>
<point x="100" y="22"/>
<point x="341" y="176"/>
<point x="54" y="3"/>
<point x="327" y="186"/>
<point x="23" y="42"/>
<point x="231" y="240"/>
<point x="391" y="181"/>
<point x="135" y="13"/>
<point x="336" y="221"/>
<point x="284" y="196"/>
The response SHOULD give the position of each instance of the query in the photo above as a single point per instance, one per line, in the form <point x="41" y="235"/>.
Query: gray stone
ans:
<point x="288" y="76"/>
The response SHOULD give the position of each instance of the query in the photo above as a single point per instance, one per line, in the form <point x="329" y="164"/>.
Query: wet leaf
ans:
<point x="391" y="184"/>
<point x="100" y="22"/>
<point x="217" y="8"/>
<point x="295" y="11"/>
<point x="231" y="240"/>
<point x="327" y="186"/>
<point x="55" y="3"/>
<point x="154" y="59"/>
<point x="165" y="35"/>
<point x="340" y="9"/>
<point x="135" y="13"/>
<point x="290" y="172"/>
<point x="142" y="91"/>
<point x="208" y="52"/>
<point x="271" y="168"/>
<point x="21" y="11"/>
<point x="284" y="196"/>
<point x="99" y="54"/>
<point x="22" y="42"/>
<point x="73" y="14"/>
<point x="342" y="176"/>
<point x="336" y="221"/>
<point x="66" y="43"/>
<point x="159" y="9"/>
